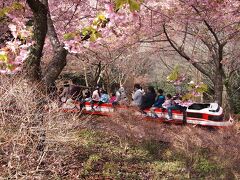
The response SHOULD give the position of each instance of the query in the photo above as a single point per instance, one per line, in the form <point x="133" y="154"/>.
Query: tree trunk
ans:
<point x="98" y="73"/>
<point x="85" y="74"/>
<point x="231" y="103"/>
<point x="31" y="67"/>
<point x="58" y="61"/>
<point x="232" y="96"/>
<point x="55" y="67"/>
<point x="218" y="87"/>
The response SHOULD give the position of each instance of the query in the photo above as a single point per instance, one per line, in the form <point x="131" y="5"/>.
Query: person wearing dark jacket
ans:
<point x="148" y="99"/>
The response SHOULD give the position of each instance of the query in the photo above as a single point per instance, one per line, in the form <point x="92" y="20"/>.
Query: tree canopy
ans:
<point x="203" y="33"/>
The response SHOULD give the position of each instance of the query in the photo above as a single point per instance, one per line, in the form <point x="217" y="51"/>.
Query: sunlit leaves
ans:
<point x="174" y="74"/>
<point x="69" y="36"/>
<point x="4" y="11"/>
<point x="133" y="4"/>
<point x="5" y="64"/>
<point x="120" y="3"/>
<point x="176" y="77"/>
<point x="198" y="88"/>
<point x="94" y="36"/>
<point x="99" y="19"/>
<point x="90" y="32"/>
<point x="14" y="6"/>
<point x="195" y="90"/>
<point x="3" y="56"/>
<point x="17" y="6"/>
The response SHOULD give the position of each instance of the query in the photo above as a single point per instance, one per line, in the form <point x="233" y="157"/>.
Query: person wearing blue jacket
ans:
<point x="160" y="99"/>
<point x="158" y="102"/>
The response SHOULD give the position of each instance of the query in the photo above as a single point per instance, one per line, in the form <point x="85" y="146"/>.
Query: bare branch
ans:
<point x="184" y="55"/>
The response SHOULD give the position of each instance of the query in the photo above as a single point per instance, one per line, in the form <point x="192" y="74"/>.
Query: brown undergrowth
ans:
<point x="38" y="143"/>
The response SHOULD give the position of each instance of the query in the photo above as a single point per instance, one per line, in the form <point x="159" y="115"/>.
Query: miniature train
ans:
<point x="198" y="113"/>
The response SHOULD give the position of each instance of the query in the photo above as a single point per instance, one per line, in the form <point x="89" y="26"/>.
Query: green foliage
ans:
<point x="87" y="31"/>
<point x="190" y="90"/>
<point x="204" y="167"/>
<point x="92" y="32"/>
<point x="3" y="58"/>
<point x="161" y="166"/>
<point x="133" y="4"/>
<point x="152" y="147"/>
<point x="166" y="86"/>
<point x="4" y="11"/>
<point x="120" y="3"/>
<point x="12" y="7"/>
<point x="69" y="36"/>
<point x="110" y="169"/>
<point x="100" y="20"/>
<point x="17" y="6"/>
<point x="200" y="88"/>
<point x="10" y="67"/>
<point x="89" y="164"/>
<point x="5" y="63"/>
<point x="88" y="137"/>
<point x="168" y="170"/>
<point x="95" y="36"/>
<point x="174" y="75"/>
<point x="188" y="96"/>
<point x="195" y="90"/>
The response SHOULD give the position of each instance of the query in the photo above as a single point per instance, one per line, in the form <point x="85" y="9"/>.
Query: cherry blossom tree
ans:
<point x="76" y="30"/>
<point x="201" y="32"/>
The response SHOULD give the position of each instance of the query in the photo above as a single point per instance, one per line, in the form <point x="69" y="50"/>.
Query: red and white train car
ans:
<point x="198" y="114"/>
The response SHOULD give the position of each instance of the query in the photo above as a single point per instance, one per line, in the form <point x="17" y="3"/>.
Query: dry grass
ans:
<point x="49" y="144"/>
<point x="27" y="131"/>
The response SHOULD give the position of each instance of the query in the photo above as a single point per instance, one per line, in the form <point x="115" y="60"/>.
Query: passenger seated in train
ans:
<point x="65" y="92"/>
<point x="104" y="97"/>
<point x="70" y="103"/>
<point x="113" y="98"/>
<point x="173" y="104"/>
<point x="75" y="92"/>
<point x="121" y="96"/>
<point x="96" y="95"/>
<point x="137" y="95"/>
<point x="148" y="99"/>
<point x="158" y="102"/>
<point x="167" y="104"/>
<point x="70" y="89"/>
<point x="86" y="97"/>
<point x="168" y="101"/>
<point x="160" y="99"/>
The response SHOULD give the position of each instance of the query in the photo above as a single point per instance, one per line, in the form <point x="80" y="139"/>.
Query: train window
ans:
<point x="215" y="118"/>
<point x="194" y="115"/>
<point x="214" y="108"/>
<point x="196" y="106"/>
